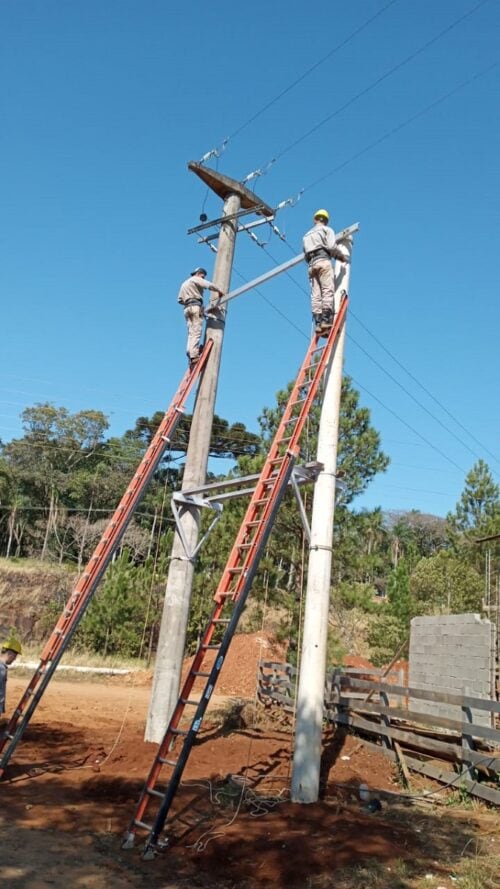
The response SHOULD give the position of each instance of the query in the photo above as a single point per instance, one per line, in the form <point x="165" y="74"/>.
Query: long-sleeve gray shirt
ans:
<point x="192" y="289"/>
<point x="322" y="237"/>
<point x="3" y="685"/>
<point x="319" y="237"/>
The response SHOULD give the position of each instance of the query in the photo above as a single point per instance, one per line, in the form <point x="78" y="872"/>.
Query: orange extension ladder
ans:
<point x="233" y="588"/>
<point x="89" y="580"/>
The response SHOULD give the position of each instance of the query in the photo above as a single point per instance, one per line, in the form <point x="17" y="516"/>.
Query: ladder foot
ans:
<point x="151" y="850"/>
<point x="128" y="841"/>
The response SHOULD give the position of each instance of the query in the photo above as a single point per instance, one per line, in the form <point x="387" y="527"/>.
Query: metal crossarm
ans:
<point x="88" y="581"/>
<point x="233" y="588"/>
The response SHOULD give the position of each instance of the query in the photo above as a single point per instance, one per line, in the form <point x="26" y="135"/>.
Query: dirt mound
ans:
<point x="352" y="660"/>
<point x="239" y="674"/>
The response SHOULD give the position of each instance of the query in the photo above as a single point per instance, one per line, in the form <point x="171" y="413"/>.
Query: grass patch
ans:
<point x="36" y="566"/>
<point x="479" y="872"/>
<point x="81" y="658"/>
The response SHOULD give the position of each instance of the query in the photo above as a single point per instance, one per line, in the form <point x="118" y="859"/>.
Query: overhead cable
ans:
<point x="424" y="388"/>
<point x="316" y="65"/>
<point x="403" y="124"/>
<point x="388" y="374"/>
<point x="380" y="79"/>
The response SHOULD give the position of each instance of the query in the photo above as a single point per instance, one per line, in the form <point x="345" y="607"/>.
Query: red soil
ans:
<point x="71" y="787"/>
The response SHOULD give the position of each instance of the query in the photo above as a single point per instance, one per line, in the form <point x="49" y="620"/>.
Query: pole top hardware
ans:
<point x="223" y="186"/>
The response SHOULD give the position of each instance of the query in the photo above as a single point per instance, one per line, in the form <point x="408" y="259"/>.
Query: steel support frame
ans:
<point x="222" y="219"/>
<point x="300" y="475"/>
<point x="241" y="228"/>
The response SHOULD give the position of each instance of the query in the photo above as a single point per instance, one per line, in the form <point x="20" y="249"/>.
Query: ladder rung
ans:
<point x="143" y="825"/>
<point x="234" y="571"/>
<point x="188" y="702"/>
<point x="214" y="647"/>
<point x="167" y="762"/>
<point x="156" y="793"/>
<point x="179" y="731"/>
<point x="253" y="524"/>
<point x="200" y="673"/>
<point x="225" y="620"/>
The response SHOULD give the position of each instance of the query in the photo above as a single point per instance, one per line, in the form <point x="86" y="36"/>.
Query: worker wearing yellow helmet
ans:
<point x="9" y="650"/>
<point x="320" y="247"/>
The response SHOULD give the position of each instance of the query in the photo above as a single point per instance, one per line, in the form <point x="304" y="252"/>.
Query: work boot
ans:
<point x="318" y="323"/>
<point x="326" y="319"/>
<point x="193" y="362"/>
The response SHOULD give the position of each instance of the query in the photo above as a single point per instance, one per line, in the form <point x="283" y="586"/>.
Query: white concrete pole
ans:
<point x="309" y="720"/>
<point x="172" y="640"/>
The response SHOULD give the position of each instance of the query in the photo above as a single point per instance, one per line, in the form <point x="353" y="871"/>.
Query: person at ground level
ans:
<point x="191" y="297"/>
<point x="9" y="650"/>
<point x="320" y="247"/>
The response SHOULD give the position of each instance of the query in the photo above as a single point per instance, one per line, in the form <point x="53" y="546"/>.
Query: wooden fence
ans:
<point x="453" y="751"/>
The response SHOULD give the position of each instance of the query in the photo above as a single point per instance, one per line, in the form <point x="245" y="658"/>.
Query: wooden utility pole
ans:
<point x="173" y="628"/>
<point x="311" y="690"/>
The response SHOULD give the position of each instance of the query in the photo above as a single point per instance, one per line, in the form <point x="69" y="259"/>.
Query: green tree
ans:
<point x="360" y="457"/>
<point x="44" y="460"/>
<point x="414" y="534"/>
<point x="444" y="584"/>
<point x="479" y="504"/>
<point x="227" y="440"/>
<point x="385" y="637"/>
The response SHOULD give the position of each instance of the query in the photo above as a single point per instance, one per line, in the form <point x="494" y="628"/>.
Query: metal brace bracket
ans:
<point x="301" y="474"/>
<point x="302" y="509"/>
<point x="198" y="502"/>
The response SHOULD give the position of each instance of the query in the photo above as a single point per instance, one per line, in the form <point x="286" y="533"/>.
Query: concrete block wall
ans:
<point x="454" y="654"/>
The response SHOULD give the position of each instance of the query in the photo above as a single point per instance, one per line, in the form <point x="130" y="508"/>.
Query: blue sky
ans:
<point x="102" y="106"/>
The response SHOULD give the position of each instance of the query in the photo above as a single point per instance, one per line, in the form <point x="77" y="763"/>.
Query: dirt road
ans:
<point x="70" y="789"/>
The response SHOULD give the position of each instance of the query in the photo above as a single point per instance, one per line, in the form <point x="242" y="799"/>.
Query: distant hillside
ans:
<point x="27" y="589"/>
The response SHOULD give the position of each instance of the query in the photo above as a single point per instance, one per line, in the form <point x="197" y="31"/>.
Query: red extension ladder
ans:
<point x="89" y="580"/>
<point x="169" y="763"/>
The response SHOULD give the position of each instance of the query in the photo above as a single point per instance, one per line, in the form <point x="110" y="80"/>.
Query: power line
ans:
<point x="316" y="65"/>
<point x="437" y="420"/>
<point x="403" y="124"/>
<point x="63" y="508"/>
<point x="404" y="422"/>
<point x="409" y="426"/>
<point x="410" y="395"/>
<point x="380" y="79"/>
<point x="424" y="388"/>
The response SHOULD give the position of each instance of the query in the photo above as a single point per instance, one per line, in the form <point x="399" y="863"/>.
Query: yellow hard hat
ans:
<point x="12" y="642"/>
<point x="324" y="213"/>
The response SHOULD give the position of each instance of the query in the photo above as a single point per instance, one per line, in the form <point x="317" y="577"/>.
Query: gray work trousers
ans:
<point x="194" y="320"/>
<point x="322" y="286"/>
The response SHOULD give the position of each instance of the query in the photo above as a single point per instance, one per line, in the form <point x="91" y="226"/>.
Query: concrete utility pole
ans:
<point x="173" y="628"/>
<point x="311" y="690"/>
